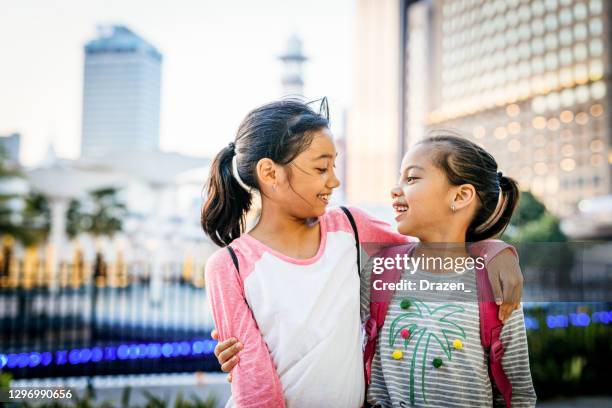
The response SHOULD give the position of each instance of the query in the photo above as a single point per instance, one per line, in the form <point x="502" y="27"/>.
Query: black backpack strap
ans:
<point x="356" y="233"/>
<point x="234" y="257"/>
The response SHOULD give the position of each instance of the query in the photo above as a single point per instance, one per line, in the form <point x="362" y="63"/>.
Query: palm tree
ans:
<point x="100" y="214"/>
<point x="439" y="332"/>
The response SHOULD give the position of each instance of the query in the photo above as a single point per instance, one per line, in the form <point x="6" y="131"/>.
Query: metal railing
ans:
<point x="79" y="318"/>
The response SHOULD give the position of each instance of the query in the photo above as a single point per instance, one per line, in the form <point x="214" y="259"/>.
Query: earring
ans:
<point x="274" y="187"/>
<point x="453" y="207"/>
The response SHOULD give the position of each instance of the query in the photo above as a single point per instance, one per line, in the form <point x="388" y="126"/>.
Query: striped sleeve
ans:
<point x="516" y="360"/>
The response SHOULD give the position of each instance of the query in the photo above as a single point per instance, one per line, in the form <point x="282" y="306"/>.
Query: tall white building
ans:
<point x="121" y="93"/>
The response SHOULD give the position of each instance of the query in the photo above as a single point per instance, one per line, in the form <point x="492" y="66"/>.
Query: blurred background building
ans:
<point x="121" y="93"/>
<point x="12" y="146"/>
<point x="528" y="80"/>
<point x="293" y="60"/>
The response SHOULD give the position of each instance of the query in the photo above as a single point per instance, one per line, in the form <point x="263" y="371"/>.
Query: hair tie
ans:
<point x="237" y="175"/>
<point x="500" y="175"/>
<point x="232" y="146"/>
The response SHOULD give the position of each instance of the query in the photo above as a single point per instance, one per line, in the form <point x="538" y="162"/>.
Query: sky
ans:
<point x="220" y="61"/>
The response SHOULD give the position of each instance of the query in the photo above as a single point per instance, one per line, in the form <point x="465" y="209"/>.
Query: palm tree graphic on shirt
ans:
<point x="442" y="331"/>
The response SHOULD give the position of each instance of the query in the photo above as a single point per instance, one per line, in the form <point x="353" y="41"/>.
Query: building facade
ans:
<point x="529" y="81"/>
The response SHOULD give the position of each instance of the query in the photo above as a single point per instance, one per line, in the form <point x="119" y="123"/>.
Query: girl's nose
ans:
<point x="396" y="192"/>
<point x="333" y="181"/>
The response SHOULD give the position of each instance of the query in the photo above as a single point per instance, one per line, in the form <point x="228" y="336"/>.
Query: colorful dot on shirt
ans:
<point x="397" y="354"/>
<point x="405" y="333"/>
<point x="405" y="303"/>
<point x="437" y="362"/>
<point x="457" y="344"/>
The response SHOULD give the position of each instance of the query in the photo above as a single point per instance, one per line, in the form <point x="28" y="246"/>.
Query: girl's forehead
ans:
<point x="322" y="141"/>
<point x="416" y="156"/>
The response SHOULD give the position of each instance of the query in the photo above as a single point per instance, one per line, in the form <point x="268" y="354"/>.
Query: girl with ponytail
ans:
<point x="288" y="289"/>
<point x="450" y="192"/>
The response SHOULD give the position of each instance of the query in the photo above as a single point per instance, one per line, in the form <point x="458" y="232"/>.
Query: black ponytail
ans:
<point x="279" y="131"/>
<point x="465" y="162"/>
<point x="497" y="220"/>
<point x="224" y="213"/>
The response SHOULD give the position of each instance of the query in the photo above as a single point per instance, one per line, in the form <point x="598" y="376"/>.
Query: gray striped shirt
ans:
<point x="439" y="360"/>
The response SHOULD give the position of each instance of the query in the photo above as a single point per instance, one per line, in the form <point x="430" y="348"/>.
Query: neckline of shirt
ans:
<point x="307" y="261"/>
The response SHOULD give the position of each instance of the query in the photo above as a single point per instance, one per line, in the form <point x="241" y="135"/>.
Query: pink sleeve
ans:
<point x="255" y="382"/>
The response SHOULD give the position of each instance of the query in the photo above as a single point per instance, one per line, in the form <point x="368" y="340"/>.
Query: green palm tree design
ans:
<point x="444" y="328"/>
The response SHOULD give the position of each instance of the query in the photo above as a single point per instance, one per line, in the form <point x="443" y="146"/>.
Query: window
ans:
<point x="565" y="36"/>
<point x="565" y="56"/>
<point x="596" y="27"/>
<point x="512" y="18"/>
<point x="580" y="52"/>
<point x="537" y="64"/>
<point x="524" y="32"/>
<point x="524" y="13"/>
<point x="580" y="11"/>
<point x="537" y="45"/>
<point x="596" y="7"/>
<point x="581" y="74"/>
<point x="582" y="93"/>
<point x="596" y="47"/>
<point x="580" y="31"/>
<point x="596" y="70"/>
<point x="537" y="8"/>
<point x="598" y="89"/>
<point x="551" y="5"/>
<point x="551" y="61"/>
<point x="565" y="17"/>
<point x="567" y="100"/>
<point x="551" y="41"/>
<point x="551" y="22"/>
<point x="552" y="101"/>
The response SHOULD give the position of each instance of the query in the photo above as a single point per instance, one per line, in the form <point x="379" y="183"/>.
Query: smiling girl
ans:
<point x="430" y="350"/>
<point x="289" y="288"/>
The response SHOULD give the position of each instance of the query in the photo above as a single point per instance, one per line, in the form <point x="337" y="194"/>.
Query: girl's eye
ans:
<point x="322" y="170"/>
<point x="410" y="179"/>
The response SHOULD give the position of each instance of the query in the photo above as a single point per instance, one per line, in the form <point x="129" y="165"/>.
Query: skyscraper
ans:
<point x="121" y="93"/>
<point x="528" y="80"/>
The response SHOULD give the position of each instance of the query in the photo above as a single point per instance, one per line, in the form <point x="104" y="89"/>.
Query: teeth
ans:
<point x="401" y="208"/>
<point x="324" y="196"/>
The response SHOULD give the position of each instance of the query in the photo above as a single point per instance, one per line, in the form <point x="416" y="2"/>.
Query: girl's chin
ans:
<point x="404" y="229"/>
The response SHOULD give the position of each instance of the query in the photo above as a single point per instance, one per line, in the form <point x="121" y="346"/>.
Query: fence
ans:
<point x="102" y="318"/>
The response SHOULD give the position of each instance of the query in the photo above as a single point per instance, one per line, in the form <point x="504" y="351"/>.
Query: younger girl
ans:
<point x="429" y="350"/>
<point x="289" y="288"/>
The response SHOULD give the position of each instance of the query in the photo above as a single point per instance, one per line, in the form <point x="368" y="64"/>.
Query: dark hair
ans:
<point x="279" y="131"/>
<point x="465" y="162"/>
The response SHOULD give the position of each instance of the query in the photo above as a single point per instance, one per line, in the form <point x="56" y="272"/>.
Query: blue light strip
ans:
<point x="562" y="321"/>
<point x="207" y="347"/>
<point x="108" y="353"/>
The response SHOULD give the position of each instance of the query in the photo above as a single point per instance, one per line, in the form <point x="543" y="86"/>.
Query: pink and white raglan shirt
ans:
<point x="298" y="319"/>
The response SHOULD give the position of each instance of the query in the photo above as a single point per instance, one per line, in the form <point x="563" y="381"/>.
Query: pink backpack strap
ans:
<point x="490" y="331"/>
<point x="379" y="304"/>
